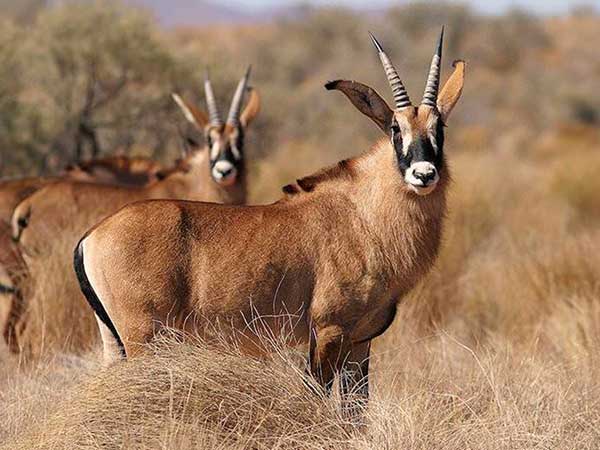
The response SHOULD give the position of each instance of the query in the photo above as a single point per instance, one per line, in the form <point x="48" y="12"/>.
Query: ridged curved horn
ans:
<point x="238" y="98"/>
<point x="213" y="112"/>
<point x="433" y="80"/>
<point x="401" y="99"/>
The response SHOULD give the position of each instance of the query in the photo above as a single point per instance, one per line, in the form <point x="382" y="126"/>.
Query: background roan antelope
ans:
<point x="116" y="170"/>
<point x="66" y="202"/>
<point x="62" y="211"/>
<point x="332" y="258"/>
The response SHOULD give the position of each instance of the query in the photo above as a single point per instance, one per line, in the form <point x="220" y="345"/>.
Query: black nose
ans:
<point x="225" y="172"/>
<point x="425" y="177"/>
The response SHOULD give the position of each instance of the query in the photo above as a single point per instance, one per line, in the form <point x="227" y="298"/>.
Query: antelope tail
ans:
<point x="91" y="297"/>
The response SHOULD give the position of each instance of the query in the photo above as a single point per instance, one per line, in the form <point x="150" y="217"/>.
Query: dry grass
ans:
<point x="429" y="393"/>
<point x="57" y="317"/>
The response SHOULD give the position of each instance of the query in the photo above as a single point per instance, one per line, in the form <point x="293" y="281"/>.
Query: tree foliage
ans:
<point x="98" y="78"/>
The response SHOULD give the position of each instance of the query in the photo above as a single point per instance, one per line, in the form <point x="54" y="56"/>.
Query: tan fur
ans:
<point x="333" y="258"/>
<point x="113" y="170"/>
<point x="12" y="192"/>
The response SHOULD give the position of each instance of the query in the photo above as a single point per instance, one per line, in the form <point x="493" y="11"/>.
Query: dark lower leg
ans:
<point x="354" y="382"/>
<point x="326" y="355"/>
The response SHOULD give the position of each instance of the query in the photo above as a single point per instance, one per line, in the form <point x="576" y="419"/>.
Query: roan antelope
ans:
<point x="118" y="170"/>
<point x="215" y="175"/>
<point x="63" y="211"/>
<point x="338" y="251"/>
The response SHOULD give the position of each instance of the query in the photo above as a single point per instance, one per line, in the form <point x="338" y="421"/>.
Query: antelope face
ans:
<point x="416" y="132"/>
<point x="225" y="139"/>
<point x="226" y="154"/>
<point x="417" y="135"/>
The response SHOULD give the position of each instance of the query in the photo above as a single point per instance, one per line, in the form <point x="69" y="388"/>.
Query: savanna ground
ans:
<point x="498" y="348"/>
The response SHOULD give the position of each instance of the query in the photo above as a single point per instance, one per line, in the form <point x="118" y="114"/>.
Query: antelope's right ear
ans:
<point x="191" y="113"/>
<point x="252" y="108"/>
<point x="367" y="101"/>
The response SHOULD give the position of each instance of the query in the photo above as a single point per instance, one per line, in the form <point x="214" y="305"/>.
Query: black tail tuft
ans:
<point x="91" y="296"/>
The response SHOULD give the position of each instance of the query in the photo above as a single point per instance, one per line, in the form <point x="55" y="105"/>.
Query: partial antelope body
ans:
<point x="63" y="211"/>
<point x="218" y="176"/>
<point x="12" y="192"/>
<point x="337" y="252"/>
<point x="118" y="170"/>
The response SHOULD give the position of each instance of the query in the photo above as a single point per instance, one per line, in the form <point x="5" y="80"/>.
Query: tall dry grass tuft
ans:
<point x="187" y="395"/>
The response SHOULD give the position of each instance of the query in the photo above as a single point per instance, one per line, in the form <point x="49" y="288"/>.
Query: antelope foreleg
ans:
<point x="328" y="349"/>
<point x="354" y="381"/>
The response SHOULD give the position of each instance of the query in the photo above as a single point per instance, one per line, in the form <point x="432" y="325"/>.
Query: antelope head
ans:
<point x="225" y="140"/>
<point x="415" y="132"/>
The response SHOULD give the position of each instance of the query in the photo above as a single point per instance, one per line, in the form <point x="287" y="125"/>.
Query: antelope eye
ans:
<point x="23" y="222"/>
<point x="192" y="142"/>
<point x="395" y="128"/>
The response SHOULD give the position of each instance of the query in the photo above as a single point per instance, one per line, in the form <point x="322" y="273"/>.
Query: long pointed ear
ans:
<point x="452" y="90"/>
<point x="367" y="101"/>
<point x="252" y="108"/>
<point x="191" y="113"/>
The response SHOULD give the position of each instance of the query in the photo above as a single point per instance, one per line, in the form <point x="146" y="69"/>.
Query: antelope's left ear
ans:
<point x="366" y="100"/>
<point x="191" y="113"/>
<point x="452" y="90"/>
<point x="252" y="108"/>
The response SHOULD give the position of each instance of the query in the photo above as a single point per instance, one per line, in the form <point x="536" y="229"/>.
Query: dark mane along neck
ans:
<point x="181" y="166"/>
<point x="342" y="171"/>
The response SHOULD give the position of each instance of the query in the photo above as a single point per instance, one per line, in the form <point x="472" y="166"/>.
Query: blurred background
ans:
<point x="79" y="79"/>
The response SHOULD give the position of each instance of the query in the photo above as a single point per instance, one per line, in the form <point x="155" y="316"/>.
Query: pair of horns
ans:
<point x="432" y="87"/>
<point x="233" y="118"/>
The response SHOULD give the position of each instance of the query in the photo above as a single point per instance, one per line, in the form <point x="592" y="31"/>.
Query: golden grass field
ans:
<point x="496" y="349"/>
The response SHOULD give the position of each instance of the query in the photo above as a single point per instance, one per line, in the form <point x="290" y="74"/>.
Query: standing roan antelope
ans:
<point x="64" y="210"/>
<point x="339" y="250"/>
